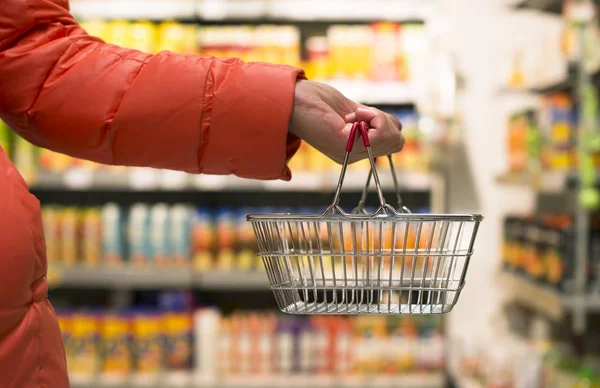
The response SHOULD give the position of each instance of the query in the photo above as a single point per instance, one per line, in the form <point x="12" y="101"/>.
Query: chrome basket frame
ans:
<point x="388" y="262"/>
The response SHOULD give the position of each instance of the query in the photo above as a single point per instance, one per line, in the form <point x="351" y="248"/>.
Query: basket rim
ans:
<point x="275" y="217"/>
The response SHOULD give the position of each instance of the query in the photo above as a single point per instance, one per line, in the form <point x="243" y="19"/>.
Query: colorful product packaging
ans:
<point x="244" y="354"/>
<point x="148" y="342"/>
<point x="69" y="236"/>
<point x="85" y="334"/>
<point x="159" y="234"/>
<point x="225" y="234"/>
<point x="50" y="220"/>
<point x="284" y="346"/>
<point x="179" y="341"/>
<point x="246" y="242"/>
<point x="203" y="239"/>
<point x="66" y="328"/>
<point x="385" y="44"/>
<point x="207" y="342"/>
<point x="179" y="231"/>
<point x="139" y="234"/>
<point x="116" y="343"/>
<point x="225" y="347"/>
<point x="112" y="232"/>
<point x="91" y="236"/>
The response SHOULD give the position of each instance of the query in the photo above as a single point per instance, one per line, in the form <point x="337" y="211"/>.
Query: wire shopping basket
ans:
<point x="388" y="262"/>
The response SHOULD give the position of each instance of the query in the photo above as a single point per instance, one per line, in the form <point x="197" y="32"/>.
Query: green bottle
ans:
<point x="5" y="134"/>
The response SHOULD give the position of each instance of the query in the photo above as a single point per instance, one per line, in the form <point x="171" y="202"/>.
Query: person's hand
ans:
<point x="323" y="117"/>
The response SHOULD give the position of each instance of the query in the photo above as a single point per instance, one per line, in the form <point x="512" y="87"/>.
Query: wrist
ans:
<point x="293" y="127"/>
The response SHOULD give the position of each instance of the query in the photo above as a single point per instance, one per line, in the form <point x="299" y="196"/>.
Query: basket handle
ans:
<point x="363" y="200"/>
<point x="364" y="129"/>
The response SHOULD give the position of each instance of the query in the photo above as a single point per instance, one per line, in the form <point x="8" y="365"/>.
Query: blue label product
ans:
<point x="159" y="232"/>
<point x="112" y="241"/>
<point x="179" y="232"/>
<point x="139" y="246"/>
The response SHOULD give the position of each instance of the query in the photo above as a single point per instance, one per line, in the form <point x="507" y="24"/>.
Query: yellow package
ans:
<point x="118" y="33"/>
<point x="24" y="157"/>
<point x="69" y="236"/>
<point x="50" y="221"/>
<point x="91" y="237"/>
<point x="147" y="343"/>
<point x="64" y="322"/>
<point x="117" y="355"/>
<point x="288" y="43"/>
<point x="172" y="37"/>
<point x="178" y="330"/>
<point x="97" y="28"/>
<point x="85" y="335"/>
<point x="143" y="36"/>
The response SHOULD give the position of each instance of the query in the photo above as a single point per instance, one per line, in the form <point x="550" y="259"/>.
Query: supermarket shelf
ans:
<point x="466" y="382"/>
<point x="550" y="6"/>
<point x="163" y="180"/>
<point x="120" y="278"/>
<point x="547" y="182"/>
<point x="542" y="299"/>
<point x="429" y="380"/>
<point x="376" y="93"/>
<point x="222" y="280"/>
<point x="564" y="84"/>
<point x="263" y="10"/>
<point x="154" y="278"/>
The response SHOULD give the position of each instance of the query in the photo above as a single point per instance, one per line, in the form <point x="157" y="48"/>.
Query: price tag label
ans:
<point x="79" y="178"/>
<point x="143" y="179"/>
<point x="173" y="180"/>
<point x="210" y="182"/>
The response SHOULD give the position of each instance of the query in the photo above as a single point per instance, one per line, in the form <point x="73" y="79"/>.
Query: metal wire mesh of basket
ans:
<point x="388" y="262"/>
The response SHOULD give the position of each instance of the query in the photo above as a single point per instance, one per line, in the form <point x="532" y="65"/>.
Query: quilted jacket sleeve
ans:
<point x="67" y="91"/>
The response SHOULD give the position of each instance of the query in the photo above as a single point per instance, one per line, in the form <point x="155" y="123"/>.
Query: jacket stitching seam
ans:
<point x="30" y="10"/>
<point x="111" y="133"/>
<point x="204" y="105"/>
<point x="110" y="126"/>
<point x="41" y="88"/>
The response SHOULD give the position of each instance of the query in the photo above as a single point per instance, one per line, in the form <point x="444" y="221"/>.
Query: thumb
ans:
<point x="363" y="113"/>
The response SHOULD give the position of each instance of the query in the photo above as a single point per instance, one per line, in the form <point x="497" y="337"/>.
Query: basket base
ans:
<point x="362" y="309"/>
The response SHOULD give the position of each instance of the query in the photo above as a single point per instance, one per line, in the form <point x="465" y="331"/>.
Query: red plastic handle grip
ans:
<point x="352" y="137"/>
<point x="364" y="129"/>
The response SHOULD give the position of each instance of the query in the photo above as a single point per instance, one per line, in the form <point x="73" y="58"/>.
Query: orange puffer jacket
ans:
<point x="72" y="93"/>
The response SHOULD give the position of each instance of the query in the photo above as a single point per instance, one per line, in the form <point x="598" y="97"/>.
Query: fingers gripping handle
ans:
<point x="364" y="131"/>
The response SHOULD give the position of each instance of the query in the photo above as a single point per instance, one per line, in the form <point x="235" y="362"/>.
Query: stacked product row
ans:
<point x="150" y="235"/>
<point x="164" y="235"/>
<point x="344" y="52"/>
<point x="148" y="342"/>
<point x="526" y="363"/>
<point x="542" y="247"/>
<point x="544" y="139"/>
<point x="545" y="57"/>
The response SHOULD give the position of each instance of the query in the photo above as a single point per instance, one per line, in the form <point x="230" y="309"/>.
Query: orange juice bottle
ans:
<point x="91" y="236"/>
<point x="50" y="218"/>
<point x="148" y="342"/>
<point x="118" y="33"/>
<point x="69" y="236"/>
<point x="318" y="57"/>
<point x="86" y="344"/>
<point x="143" y="36"/>
<point x="174" y="37"/>
<point x="385" y="44"/>
<point x="178" y="331"/>
<point x="116" y="344"/>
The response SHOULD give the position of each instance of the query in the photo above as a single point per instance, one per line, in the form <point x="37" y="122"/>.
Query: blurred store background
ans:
<point x="154" y="274"/>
